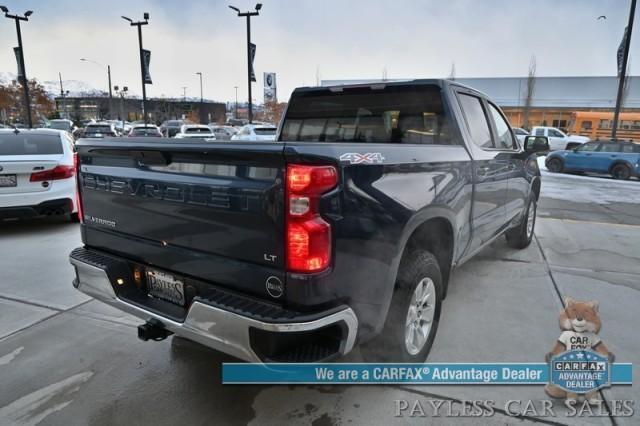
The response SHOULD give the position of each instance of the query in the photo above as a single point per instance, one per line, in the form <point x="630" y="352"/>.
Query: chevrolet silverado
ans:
<point x="343" y="231"/>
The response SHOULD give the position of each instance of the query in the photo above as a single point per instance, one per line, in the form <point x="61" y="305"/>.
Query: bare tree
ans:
<point x="531" y="88"/>
<point x="452" y="73"/>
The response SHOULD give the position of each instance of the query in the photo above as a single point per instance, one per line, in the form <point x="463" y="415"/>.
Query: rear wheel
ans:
<point x="520" y="237"/>
<point x="555" y="165"/>
<point x="414" y="314"/>
<point x="621" y="172"/>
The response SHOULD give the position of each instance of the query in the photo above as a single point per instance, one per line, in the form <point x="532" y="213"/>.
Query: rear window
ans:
<point x="265" y="131"/>
<point x="197" y="130"/>
<point x="60" y="125"/>
<point x="98" y="129"/>
<point x="144" y="132"/>
<point x="394" y="114"/>
<point x="26" y="144"/>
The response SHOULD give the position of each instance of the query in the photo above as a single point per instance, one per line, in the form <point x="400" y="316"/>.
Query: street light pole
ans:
<point x="623" y="71"/>
<point x="201" y="111"/>
<point x="201" y="99"/>
<point x="139" y="24"/>
<point x="236" y="112"/>
<point x="108" y="68"/>
<point x="25" y="82"/>
<point x="248" y="15"/>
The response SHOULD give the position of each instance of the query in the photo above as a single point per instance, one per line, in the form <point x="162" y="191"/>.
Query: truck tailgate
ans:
<point x="204" y="209"/>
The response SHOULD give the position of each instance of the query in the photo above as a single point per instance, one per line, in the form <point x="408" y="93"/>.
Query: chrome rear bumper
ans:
<point x="208" y="325"/>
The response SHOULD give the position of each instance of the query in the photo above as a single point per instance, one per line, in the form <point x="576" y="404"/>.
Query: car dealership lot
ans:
<point x="65" y="359"/>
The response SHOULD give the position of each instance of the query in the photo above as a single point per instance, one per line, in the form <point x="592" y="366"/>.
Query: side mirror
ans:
<point x="533" y="144"/>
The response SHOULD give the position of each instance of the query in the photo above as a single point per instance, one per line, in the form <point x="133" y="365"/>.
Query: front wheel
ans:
<point x="555" y="165"/>
<point x="621" y="172"/>
<point x="414" y="314"/>
<point x="520" y="237"/>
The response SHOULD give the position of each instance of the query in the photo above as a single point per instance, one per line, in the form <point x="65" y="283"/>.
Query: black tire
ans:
<point x="520" y="237"/>
<point x="74" y="218"/>
<point x="418" y="267"/>
<point x="621" y="172"/>
<point x="555" y="165"/>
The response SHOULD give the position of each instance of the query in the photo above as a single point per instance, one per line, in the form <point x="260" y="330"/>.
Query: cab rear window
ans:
<point x="383" y="114"/>
<point x="29" y="144"/>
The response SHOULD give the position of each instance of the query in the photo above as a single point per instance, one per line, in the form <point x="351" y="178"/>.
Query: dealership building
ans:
<point x="101" y="107"/>
<point x="554" y="98"/>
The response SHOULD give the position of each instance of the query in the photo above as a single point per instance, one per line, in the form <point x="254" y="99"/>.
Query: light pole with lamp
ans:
<point x="139" y="24"/>
<point x="23" y="77"/>
<point x="250" y="77"/>
<point x="108" y="68"/>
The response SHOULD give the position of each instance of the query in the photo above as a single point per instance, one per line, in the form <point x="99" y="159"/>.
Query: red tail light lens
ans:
<point x="59" y="172"/>
<point x="311" y="179"/>
<point x="76" y="165"/>
<point x="308" y="235"/>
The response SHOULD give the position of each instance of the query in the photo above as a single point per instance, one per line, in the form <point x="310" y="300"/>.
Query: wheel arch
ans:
<point x="623" y="162"/>
<point x="422" y="224"/>
<point x="535" y="187"/>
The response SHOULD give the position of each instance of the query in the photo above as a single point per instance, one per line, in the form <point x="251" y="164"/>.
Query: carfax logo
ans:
<point x="580" y="372"/>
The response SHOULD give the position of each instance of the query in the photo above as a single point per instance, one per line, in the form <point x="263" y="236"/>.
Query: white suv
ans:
<point x="37" y="174"/>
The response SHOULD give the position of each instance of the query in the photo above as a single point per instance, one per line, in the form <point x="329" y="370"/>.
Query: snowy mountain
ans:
<point x="75" y="87"/>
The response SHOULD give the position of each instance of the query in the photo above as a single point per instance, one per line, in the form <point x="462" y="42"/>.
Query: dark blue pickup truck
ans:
<point x="342" y="232"/>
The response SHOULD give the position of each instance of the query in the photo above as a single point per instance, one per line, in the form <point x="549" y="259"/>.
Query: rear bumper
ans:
<point x="246" y="336"/>
<point x="46" y="208"/>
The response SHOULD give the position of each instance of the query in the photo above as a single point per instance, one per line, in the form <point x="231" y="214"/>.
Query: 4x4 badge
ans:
<point x="357" y="158"/>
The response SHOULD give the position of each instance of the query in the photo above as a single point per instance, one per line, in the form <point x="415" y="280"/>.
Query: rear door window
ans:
<point x="379" y="114"/>
<point x="610" y="147"/>
<point x="476" y="120"/>
<point x="504" y="136"/>
<point x="29" y="144"/>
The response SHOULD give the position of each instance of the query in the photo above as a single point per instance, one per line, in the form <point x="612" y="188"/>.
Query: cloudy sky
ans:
<point x="335" y="39"/>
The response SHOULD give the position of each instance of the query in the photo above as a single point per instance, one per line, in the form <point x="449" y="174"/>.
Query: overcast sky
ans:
<point x="338" y="39"/>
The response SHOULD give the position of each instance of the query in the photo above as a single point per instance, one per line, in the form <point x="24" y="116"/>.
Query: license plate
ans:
<point x="8" y="181"/>
<point x="166" y="287"/>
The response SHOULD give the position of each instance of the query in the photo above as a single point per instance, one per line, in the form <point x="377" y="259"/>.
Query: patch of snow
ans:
<point x="75" y="87"/>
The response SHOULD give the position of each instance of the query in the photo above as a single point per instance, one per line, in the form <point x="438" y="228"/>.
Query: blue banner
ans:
<point x="432" y="373"/>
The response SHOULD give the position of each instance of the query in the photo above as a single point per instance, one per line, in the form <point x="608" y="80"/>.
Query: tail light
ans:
<point x="59" y="172"/>
<point x="308" y="236"/>
<point x="76" y="165"/>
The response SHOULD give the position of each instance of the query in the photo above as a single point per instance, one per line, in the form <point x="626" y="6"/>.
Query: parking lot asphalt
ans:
<point x="66" y="359"/>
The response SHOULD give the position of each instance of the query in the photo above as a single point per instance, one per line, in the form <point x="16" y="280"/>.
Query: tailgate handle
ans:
<point x="151" y="158"/>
